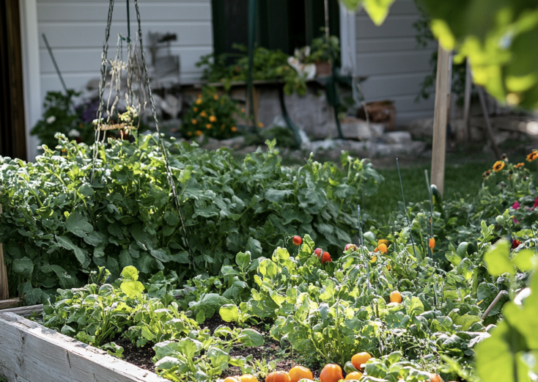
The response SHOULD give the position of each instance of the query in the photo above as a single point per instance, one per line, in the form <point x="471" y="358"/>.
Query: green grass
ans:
<point x="460" y="180"/>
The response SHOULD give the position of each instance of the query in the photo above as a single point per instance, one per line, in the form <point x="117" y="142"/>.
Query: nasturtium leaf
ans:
<point x="277" y="196"/>
<point x="86" y="190"/>
<point x="171" y="218"/>
<point x="78" y="224"/>
<point x="242" y="259"/>
<point x="327" y="293"/>
<point x="187" y="347"/>
<point x="524" y="260"/>
<point x="66" y="243"/>
<point x="229" y="313"/>
<point x="132" y="289"/>
<point x="497" y="259"/>
<point x="24" y="266"/>
<point x="130" y="273"/>
<point x="254" y="247"/>
<point x="250" y="337"/>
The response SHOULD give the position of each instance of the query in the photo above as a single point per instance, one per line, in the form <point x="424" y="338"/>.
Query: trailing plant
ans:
<point x="59" y="224"/>
<point x="268" y="64"/>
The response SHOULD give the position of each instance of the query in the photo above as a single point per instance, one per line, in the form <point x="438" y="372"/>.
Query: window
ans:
<point x="280" y="24"/>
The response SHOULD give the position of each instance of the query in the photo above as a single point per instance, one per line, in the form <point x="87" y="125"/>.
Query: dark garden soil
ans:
<point x="270" y="351"/>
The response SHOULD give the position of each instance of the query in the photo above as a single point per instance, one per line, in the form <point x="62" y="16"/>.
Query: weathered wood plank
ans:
<point x="33" y="353"/>
<point x="4" y="287"/>
<point x="25" y="310"/>
<point x="7" y="304"/>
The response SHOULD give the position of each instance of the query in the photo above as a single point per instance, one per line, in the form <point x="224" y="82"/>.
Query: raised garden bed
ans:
<point x="29" y="352"/>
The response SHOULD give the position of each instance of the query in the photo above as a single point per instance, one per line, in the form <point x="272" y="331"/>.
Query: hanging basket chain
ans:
<point x="161" y="143"/>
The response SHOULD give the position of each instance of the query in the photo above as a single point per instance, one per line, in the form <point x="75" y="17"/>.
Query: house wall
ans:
<point x="75" y="30"/>
<point x="391" y="59"/>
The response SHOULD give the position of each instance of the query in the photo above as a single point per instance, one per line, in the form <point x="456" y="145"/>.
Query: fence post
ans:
<point x="4" y="287"/>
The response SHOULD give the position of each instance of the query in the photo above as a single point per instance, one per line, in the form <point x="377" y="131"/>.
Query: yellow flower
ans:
<point x="260" y="125"/>
<point x="234" y="129"/>
<point x="208" y="126"/>
<point x="383" y="241"/>
<point x="532" y="156"/>
<point x="213" y="118"/>
<point x="198" y="132"/>
<point x="199" y="101"/>
<point x="203" y="114"/>
<point x="519" y="165"/>
<point x="242" y="110"/>
<point x="216" y="97"/>
<point x="498" y="166"/>
<point x="195" y="109"/>
<point x="374" y="259"/>
<point x="194" y="121"/>
<point x="389" y="267"/>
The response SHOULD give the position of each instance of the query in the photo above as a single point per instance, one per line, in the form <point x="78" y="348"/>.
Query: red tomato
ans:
<point x="349" y="246"/>
<point x="318" y="252"/>
<point x="297" y="240"/>
<point x="326" y="258"/>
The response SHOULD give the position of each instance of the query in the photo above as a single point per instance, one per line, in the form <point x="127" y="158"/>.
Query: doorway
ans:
<point x="12" y="119"/>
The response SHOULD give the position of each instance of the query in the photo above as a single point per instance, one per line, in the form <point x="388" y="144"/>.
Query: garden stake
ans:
<point x="494" y="302"/>
<point x="54" y="62"/>
<point x="428" y="185"/>
<point x="362" y="246"/>
<point x="405" y="208"/>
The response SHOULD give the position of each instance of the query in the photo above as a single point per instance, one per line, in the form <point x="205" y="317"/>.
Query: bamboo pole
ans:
<point x="4" y="287"/>
<point x="442" y="99"/>
<point x="467" y="103"/>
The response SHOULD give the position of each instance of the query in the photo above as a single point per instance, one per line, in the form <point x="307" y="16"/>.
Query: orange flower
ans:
<point x="382" y="247"/>
<point x="216" y="97"/>
<point x="198" y="132"/>
<point x="234" y="129"/>
<point x="431" y="243"/>
<point x="203" y="114"/>
<point x="532" y="156"/>
<point x="189" y="133"/>
<point x="194" y="121"/>
<point x="200" y="95"/>
<point x="195" y="109"/>
<point x="199" y="101"/>
<point x="260" y="125"/>
<point x="213" y="118"/>
<point x="519" y="165"/>
<point x="208" y="126"/>
<point x="498" y="166"/>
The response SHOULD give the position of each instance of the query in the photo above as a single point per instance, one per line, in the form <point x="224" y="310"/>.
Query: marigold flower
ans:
<point x="194" y="121"/>
<point x="199" y="101"/>
<point x="212" y="118"/>
<point x="383" y="241"/>
<point x="515" y="243"/>
<point x="431" y="243"/>
<point x="198" y="132"/>
<point x="215" y="97"/>
<point x="208" y="126"/>
<point x="203" y="114"/>
<point x="498" y="166"/>
<point x="260" y="125"/>
<point x="189" y="133"/>
<point x="519" y="165"/>
<point x="195" y="109"/>
<point x="234" y="129"/>
<point x="382" y="248"/>
<point x="532" y="156"/>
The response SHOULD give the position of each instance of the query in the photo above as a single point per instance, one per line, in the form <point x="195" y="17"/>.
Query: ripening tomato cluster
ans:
<point x="330" y="373"/>
<point x="325" y="257"/>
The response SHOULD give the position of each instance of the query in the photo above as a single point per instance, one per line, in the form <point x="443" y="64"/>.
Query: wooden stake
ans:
<point x="4" y="287"/>
<point x="442" y="99"/>
<point x="467" y="103"/>
<point x="489" y="129"/>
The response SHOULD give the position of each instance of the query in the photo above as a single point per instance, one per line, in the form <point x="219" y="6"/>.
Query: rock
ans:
<point x="411" y="148"/>
<point x="397" y="137"/>
<point x="356" y="128"/>
<point x="323" y="145"/>
<point x="232" y="143"/>
<point x="421" y="128"/>
<point x="305" y="141"/>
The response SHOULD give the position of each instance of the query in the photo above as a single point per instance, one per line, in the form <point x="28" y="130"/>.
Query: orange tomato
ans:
<point x="278" y="376"/>
<point x="431" y="243"/>
<point x="232" y="379"/>
<point x="248" y="378"/>
<point x="395" y="297"/>
<point x="435" y="378"/>
<point x="297" y="240"/>
<point x="358" y="359"/>
<point x="331" y="373"/>
<point x="299" y="372"/>
<point x="356" y="375"/>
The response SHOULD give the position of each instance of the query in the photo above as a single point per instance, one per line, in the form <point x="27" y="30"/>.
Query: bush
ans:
<point x="57" y="225"/>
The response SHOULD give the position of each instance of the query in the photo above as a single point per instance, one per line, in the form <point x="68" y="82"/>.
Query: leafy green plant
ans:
<point x="211" y="115"/>
<point x="325" y="49"/>
<point x="57" y="226"/>
<point x="60" y="116"/>
<point x="267" y="65"/>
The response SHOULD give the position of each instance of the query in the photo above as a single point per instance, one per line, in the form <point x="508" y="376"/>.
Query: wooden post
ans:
<point x="442" y="99"/>
<point x="4" y="287"/>
<point x="467" y="103"/>
<point x="489" y="129"/>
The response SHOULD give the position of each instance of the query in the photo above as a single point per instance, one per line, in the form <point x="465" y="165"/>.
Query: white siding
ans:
<point x="391" y="59"/>
<point x="75" y="30"/>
